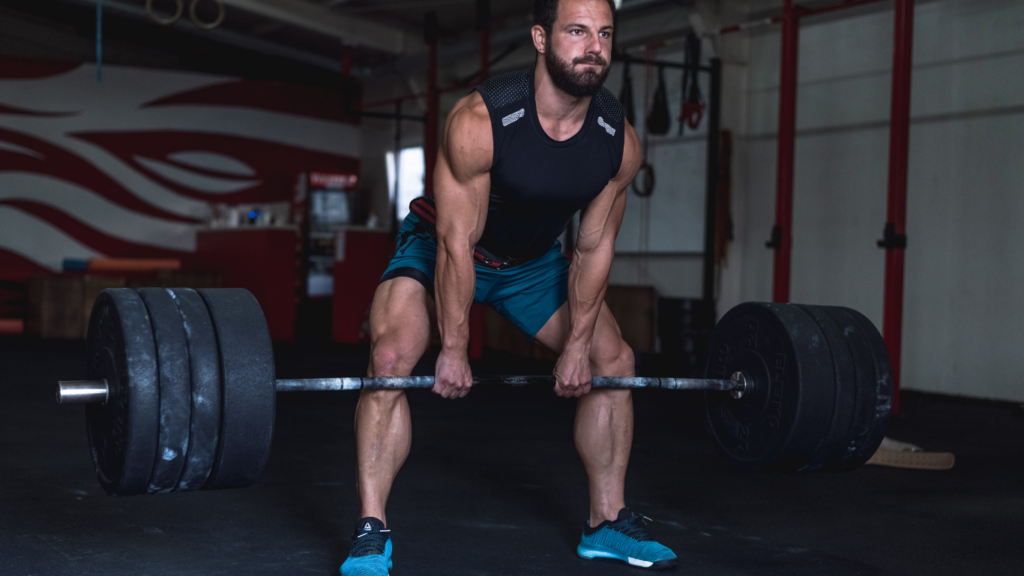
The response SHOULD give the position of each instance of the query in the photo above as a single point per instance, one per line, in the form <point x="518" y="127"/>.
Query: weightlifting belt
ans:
<point x="426" y="210"/>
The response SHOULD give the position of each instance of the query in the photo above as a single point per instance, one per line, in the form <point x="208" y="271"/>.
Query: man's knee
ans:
<point x="393" y="358"/>
<point x="613" y="359"/>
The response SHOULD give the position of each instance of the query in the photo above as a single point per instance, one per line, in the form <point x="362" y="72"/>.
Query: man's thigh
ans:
<point x="607" y="343"/>
<point x="401" y="316"/>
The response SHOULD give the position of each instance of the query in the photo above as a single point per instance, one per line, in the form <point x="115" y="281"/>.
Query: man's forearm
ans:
<point x="588" y="282"/>
<point x="454" y="286"/>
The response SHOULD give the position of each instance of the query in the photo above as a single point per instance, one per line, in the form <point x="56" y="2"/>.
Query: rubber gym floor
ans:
<point x="494" y="486"/>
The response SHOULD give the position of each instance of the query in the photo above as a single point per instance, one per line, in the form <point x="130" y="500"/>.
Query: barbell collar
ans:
<point x="97" y="391"/>
<point x="82" y="392"/>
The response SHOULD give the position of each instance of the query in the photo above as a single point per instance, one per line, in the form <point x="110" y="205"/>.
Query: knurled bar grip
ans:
<point x="399" y="383"/>
<point x="95" y="392"/>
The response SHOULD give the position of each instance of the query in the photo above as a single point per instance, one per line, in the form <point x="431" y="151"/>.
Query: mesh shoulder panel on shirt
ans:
<point x="609" y="105"/>
<point x="504" y="89"/>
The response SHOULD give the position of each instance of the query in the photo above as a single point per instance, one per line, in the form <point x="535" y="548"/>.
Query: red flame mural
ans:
<point x="129" y="167"/>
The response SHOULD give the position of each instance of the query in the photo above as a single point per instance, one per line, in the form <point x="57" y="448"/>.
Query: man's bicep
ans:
<point x="601" y="219"/>
<point x="461" y="179"/>
<point x="632" y="158"/>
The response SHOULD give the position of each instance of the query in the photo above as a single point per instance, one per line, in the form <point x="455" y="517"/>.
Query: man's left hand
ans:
<point x="572" y="373"/>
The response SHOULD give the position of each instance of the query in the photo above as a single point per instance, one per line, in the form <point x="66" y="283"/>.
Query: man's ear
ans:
<point x="539" y="36"/>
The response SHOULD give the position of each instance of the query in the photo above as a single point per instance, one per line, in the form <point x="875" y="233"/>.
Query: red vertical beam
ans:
<point x="483" y="24"/>
<point x="477" y="318"/>
<point x="346" y="61"/>
<point x="485" y="54"/>
<point x="782" y="239"/>
<point x="896" y="213"/>
<point x="430" y="137"/>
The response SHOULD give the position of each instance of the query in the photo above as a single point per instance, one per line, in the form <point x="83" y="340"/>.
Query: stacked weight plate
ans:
<point x="868" y="407"/>
<point x="822" y="387"/>
<point x="191" y="395"/>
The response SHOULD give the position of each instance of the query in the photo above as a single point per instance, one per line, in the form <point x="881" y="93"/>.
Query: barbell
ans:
<point x="181" y="390"/>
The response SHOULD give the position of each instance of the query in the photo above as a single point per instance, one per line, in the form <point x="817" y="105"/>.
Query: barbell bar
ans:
<point x="181" y="388"/>
<point x="97" y="391"/>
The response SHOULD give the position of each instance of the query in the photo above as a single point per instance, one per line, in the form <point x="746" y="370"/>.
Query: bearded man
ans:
<point x="520" y="156"/>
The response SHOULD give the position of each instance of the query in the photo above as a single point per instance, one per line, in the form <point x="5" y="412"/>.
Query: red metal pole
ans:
<point x="485" y="54"/>
<point x="477" y="318"/>
<point x="346" y="61"/>
<point x="896" y="214"/>
<point x="430" y="138"/>
<point x="782" y="239"/>
<point x="483" y="24"/>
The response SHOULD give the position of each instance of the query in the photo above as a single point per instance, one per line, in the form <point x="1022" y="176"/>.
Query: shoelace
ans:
<point x="371" y="543"/>
<point x="635" y="527"/>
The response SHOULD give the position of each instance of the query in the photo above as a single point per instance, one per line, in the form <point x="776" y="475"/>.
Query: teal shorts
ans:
<point x="528" y="294"/>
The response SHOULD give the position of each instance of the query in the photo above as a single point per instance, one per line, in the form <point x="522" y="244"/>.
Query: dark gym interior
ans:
<point x="817" y="272"/>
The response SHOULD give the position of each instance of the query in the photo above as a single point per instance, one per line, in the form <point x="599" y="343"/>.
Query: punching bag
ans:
<point x="626" y="95"/>
<point x="660" y="119"/>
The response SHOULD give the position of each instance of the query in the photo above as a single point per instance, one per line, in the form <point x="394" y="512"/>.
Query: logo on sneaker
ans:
<point x="367" y="527"/>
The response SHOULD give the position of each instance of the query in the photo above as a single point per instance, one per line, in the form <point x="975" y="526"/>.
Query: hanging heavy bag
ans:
<point x="626" y="95"/>
<point x="660" y="119"/>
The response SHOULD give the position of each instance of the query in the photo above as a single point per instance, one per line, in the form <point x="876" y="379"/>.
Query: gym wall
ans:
<point x="128" y="167"/>
<point x="674" y="232"/>
<point x="964" y="266"/>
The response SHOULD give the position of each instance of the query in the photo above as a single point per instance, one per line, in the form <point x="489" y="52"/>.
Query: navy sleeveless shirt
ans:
<point x="537" y="183"/>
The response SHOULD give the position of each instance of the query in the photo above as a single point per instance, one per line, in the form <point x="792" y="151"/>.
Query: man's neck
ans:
<point x="560" y="114"/>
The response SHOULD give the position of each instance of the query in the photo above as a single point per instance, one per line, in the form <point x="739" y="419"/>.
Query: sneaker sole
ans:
<point x="592" y="554"/>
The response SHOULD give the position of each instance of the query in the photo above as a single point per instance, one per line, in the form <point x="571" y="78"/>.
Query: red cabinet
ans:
<point x="360" y="257"/>
<point x="261" y="260"/>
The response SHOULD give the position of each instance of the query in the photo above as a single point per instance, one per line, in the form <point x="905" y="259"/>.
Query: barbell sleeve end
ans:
<point x="82" y="392"/>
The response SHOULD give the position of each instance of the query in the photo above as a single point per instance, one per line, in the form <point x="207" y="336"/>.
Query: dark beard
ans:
<point x="575" y="84"/>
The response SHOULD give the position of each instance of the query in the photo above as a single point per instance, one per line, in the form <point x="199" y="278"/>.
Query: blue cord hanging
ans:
<point x="99" y="40"/>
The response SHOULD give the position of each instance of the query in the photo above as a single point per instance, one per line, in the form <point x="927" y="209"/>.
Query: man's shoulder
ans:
<point x="468" y="142"/>
<point x="470" y="114"/>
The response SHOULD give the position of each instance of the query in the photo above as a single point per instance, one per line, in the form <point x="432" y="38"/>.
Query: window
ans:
<point x="411" y="169"/>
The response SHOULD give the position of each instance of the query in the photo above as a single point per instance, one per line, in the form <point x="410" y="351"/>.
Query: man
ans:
<point x="520" y="156"/>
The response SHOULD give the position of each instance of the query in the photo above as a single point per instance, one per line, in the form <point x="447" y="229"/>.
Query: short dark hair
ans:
<point x="545" y="12"/>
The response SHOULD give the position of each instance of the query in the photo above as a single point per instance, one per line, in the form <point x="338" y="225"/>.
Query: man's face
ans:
<point x="578" y="50"/>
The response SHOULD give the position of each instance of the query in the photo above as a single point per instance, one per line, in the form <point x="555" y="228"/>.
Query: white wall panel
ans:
<point x="965" y="260"/>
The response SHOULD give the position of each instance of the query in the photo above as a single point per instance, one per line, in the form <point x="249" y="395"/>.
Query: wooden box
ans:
<point x="55" y="306"/>
<point x="178" y="279"/>
<point x="635" y="310"/>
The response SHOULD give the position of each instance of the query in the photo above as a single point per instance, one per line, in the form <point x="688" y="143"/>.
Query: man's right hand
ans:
<point x="453" y="376"/>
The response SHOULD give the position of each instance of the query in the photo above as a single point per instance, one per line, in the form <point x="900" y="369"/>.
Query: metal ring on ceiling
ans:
<point x="165" y="21"/>
<point x="221" y="13"/>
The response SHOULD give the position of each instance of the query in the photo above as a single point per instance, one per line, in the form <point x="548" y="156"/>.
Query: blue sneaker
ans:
<point x="625" y="540"/>
<point x="371" y="550"/>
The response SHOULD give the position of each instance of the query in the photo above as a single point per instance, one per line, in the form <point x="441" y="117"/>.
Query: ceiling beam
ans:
<point x="220" y="35"/>
<point x="667" y="17"/>
<point x="351" y="30"/>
